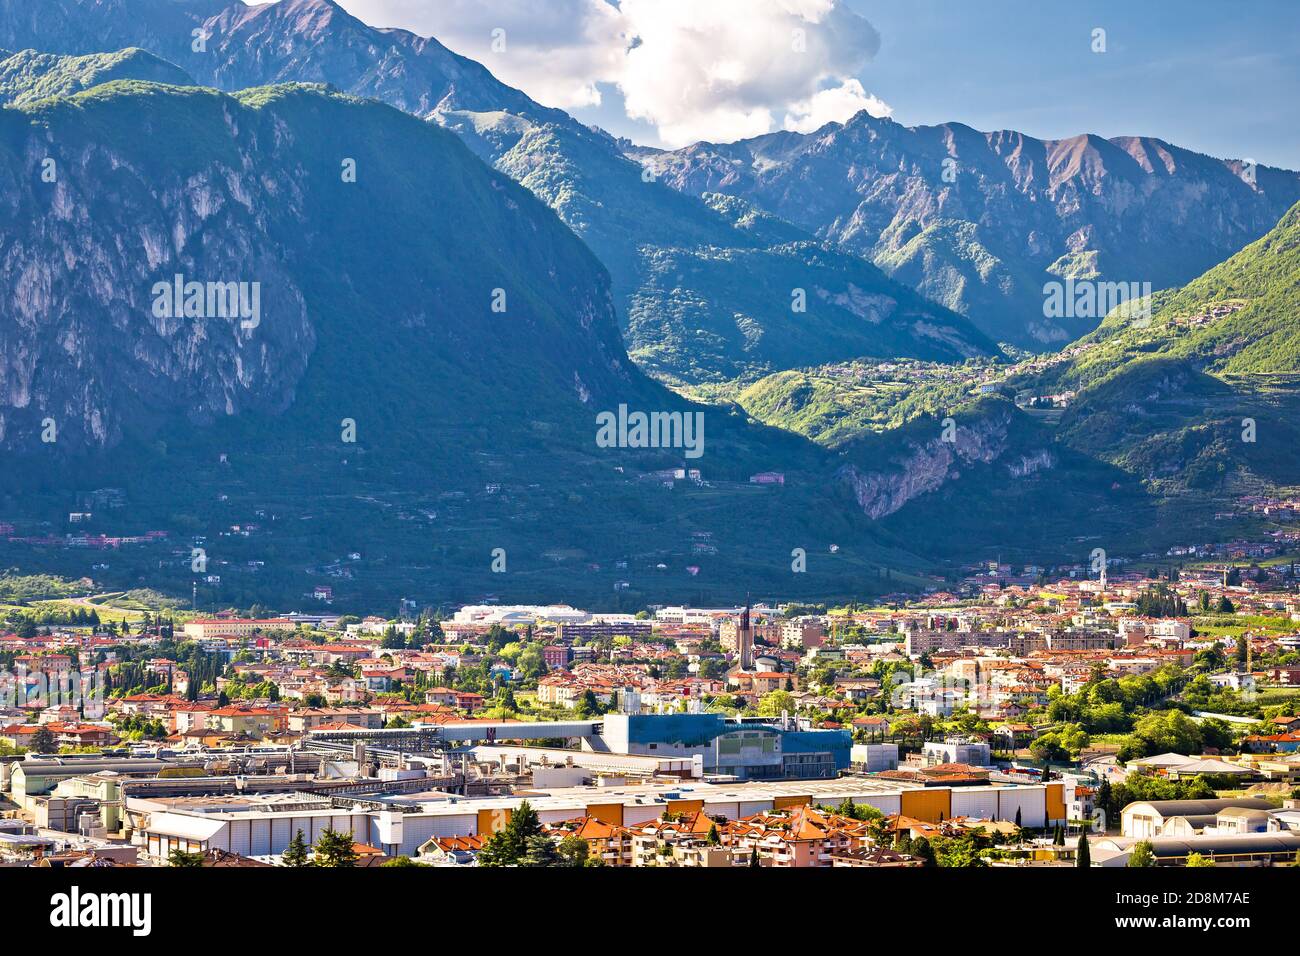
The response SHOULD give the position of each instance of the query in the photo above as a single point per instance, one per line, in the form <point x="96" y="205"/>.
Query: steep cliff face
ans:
<point x="89" y="226"/>
<point x="1004" y="484"/>
<point x="419" y="380"/>
<point x="108" y="197"/>
<point x="929" y="466"/>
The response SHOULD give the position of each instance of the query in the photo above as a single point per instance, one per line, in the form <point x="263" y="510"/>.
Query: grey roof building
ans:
<point x="1146" y="819"/>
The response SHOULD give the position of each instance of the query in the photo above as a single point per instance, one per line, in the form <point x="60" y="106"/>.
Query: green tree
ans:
<point x="1162" y="732"/>
<point x="965" y="851"/>
<point x="921" y="848"/>
<point x="334" y="849"/>
<point x="508" y="846"/>
<point x="775" y="702"/>
<point x="296" y="853"/>
<point x="1106" y="800"/>
<point x="1083" y="857"/>
<point x="43" y="741"/>
<point x="574" y="851"/>
<point x="1060" y="746"/>
<point x="1198" y="861"/>
<point x="1161" y="601"/>
<point x="540" y="851"/>
<point x="531" y="662"/>
<point x="1143" y="855"/>
<point x="181" y="858"/>
<point x="588" y="706"/>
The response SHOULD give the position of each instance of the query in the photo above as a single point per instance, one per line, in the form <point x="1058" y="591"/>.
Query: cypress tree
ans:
<point x="295" y="853"/>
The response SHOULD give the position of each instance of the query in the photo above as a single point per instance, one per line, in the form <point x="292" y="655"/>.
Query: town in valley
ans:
<point x="1131" y="716"/>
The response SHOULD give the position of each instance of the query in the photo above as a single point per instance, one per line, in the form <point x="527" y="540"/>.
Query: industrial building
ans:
<point x="699" y="744"/>
<point x="874" y="758"/>
<point x="1244" y="849"/>
<point x="1145" y="819"/>
<point x="747" y="751"/>
<point x="395" y="789"/>
<point x="401" y="823"/>
<point x="975" y="753"/>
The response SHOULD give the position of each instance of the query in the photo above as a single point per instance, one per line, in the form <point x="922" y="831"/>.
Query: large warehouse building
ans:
<point x="261" y="826"/>
<point x="754" y="750"/>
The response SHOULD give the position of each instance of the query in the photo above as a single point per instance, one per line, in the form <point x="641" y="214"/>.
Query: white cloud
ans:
<point x="695" y="69"/>
<point x="834" y="106"/>
<point x="726" y="69"/>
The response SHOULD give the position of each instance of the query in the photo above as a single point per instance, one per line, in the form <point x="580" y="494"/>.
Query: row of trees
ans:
<point x="1161" y="601"/>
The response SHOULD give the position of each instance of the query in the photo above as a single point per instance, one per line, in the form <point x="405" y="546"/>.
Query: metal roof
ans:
<point x="1192" y="808"/>
<point x="1281" y="842"/>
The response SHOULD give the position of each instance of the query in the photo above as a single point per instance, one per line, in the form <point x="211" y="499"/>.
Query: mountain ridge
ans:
<point x="639" y="228"/>
<point x="1014" y="212"/>
<point x="28" y="76"/>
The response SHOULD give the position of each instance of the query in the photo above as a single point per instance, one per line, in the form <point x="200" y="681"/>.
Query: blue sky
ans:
<point x="1219" y="77"/>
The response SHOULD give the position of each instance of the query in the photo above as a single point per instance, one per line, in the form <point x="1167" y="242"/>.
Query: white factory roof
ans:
<point x="562" y="798"/>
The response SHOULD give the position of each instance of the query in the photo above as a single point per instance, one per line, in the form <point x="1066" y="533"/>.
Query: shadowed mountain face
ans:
<point x="981" y="221"/>
<point x="376" y="343"/>
<point x="149" y="182"/>
<point x="702" y="295"/>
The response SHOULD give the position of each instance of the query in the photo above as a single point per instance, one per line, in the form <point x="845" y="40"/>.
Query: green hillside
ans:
<point x="1155" y="426"/>
<point x="30" y="76"/>
<point x="1175" y="398"/>
<point x="1239" y="318"/>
